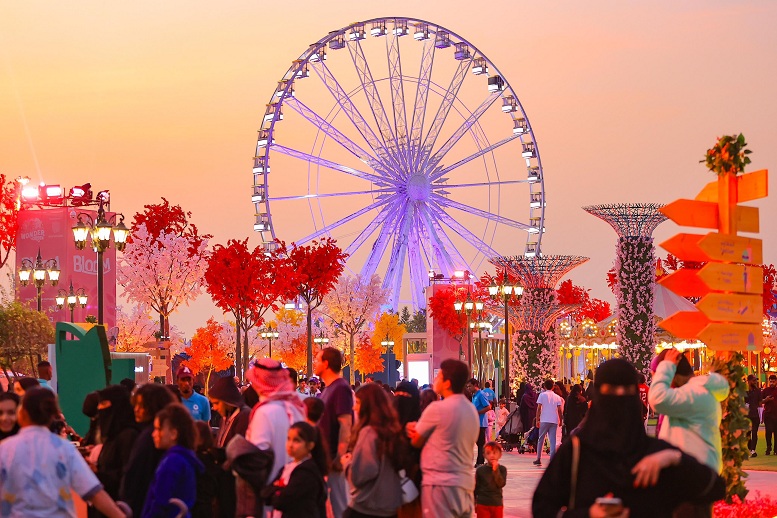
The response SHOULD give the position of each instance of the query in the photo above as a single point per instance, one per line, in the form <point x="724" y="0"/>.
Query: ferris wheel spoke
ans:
<point x="463" y="129"/>
<point x="471" y="157"/>
<point x="441" y="244"/>
<point x="387" y="231"/>
<point x="422" y="94"/>
<point x="397" y="260"/>
<point x="331" y="132"/>
<point x="483" y="247"/>
<point x="397" y="93"/>
<point x="385" y="215"/>
<point x="445" y="202"/>
<point x="445" y="186"/>
<point x="331" y="165"/>
<point x="325" y="230"/>
<point x="329" y="195"/>
<point x="373" y="97"/>
<point x="347" y="105"/>
<point x="442" y="112"/>
<point x="417" y="270"/>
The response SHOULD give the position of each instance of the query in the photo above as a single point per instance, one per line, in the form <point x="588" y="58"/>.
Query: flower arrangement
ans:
<point x="635" y="270"/>
<point x="728" y="155"/>
<point x="734" y="426"/>
<point x="758" y="507"/>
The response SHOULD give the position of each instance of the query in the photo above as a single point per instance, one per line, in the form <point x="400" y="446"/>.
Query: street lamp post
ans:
<point x="268" y="333"/>
<point x="39" y="270"/>
<point x="389" y="345"/>
<point x="321" y="340"/>
<point x="72" y="298"/>
<point x="100" y="231"/>
<point x="506" y="290"/>
<point x="467" y="306"/>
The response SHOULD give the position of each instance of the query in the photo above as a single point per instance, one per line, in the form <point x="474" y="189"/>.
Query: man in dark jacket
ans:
<point x="228" y="402"/>
<point x="753" y="402"/>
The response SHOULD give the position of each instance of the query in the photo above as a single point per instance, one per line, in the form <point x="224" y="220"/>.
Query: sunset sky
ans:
<point x="152" y="99"/>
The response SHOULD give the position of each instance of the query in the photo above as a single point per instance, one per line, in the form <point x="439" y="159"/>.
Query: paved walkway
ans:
<point x="523" y="477"/>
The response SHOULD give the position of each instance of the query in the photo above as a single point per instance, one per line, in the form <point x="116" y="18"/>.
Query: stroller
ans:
<point x="530" y="442"/>
<point x="511" y="433"/>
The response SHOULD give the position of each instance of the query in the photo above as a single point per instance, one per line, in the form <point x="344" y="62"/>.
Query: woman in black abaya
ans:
<point x="617" y="458"/>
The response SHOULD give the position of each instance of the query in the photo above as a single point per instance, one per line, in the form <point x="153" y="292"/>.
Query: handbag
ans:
<point x="409" y="491"/>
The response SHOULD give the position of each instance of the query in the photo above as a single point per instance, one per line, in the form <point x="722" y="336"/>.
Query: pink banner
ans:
<point x="50" y="231"/>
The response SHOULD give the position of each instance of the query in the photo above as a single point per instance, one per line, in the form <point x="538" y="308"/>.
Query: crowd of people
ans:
<point x="319" y="447"/>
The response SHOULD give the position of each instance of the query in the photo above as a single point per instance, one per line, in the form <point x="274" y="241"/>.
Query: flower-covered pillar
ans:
<point x="636" y="276"/>
<point x="534" y="348"/>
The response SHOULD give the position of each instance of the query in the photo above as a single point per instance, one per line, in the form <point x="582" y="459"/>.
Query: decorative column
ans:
<point x="535" y="351"/>
<point x="636" y="276"/>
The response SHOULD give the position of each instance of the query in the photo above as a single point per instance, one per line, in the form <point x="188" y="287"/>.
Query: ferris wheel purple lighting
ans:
<point x="399" y="149"/>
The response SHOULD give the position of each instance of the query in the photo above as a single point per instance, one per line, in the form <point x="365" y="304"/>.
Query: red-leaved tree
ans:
<point x="570" y="293"/>
<point x="441" y="309"/>
<point x="208" y="352"/>
<point x="247" y="283"/>
<point x="169" y="219"/>
<point x="317" y="267"/>
<point x="9" y="218"/>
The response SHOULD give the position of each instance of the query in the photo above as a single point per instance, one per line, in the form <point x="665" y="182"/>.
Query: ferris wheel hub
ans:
<point x="418" y="187"/>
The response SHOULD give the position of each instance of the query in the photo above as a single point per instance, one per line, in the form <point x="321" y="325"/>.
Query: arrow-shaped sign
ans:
<point x="731" y="307"/>
<point x="733" y="337"/>
<point x="732" y="277"/>
<point x="705" y="214"/>
<point x="685" y="324"/>
<point x="715" y="277"/>
<point x="750" y="186"/>
<point x="715" y="247"/>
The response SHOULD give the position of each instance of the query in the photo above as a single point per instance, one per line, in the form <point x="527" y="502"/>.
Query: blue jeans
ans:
<point x="548" y="429"/>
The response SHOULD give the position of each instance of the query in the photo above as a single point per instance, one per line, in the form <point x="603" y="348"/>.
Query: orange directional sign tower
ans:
<point x="730" y="285"/>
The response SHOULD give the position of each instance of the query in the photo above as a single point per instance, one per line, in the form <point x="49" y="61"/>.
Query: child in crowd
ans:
<point x="176" y="475"/>
<point x="315" y="409"/>
<point x="491" y="418"/>
<point x="490" y="478"/>
<point x="501" y="415"/>
<point x="300" y="489"/>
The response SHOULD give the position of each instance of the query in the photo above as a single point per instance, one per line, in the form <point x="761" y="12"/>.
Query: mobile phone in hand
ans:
<point x="609" y="501"/>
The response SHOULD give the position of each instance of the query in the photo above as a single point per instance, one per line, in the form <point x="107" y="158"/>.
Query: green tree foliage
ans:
<point x="24" y="337"/>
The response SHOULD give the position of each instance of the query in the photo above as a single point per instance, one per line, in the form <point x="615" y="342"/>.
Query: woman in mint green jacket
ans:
<point x="691" y="405"/>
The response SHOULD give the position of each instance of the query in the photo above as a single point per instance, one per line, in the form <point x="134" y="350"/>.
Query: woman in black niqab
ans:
<point x="614" y="423"/>
<point x="118" y="431"/>
<point x="614" y="451"/>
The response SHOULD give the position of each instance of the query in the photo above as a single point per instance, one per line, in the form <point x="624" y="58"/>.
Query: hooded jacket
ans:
<point x="175" y="477"/>
<point x="692" y="412"/>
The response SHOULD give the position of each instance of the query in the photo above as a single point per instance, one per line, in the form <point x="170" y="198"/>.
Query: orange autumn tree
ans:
<point x="295" y="353"/>
<point x="208" y="352"/>
<point x="388" y="325"/>
<point x="367" y="357"/>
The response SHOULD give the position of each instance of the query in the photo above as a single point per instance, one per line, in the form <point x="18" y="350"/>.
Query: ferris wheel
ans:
<point x="402" y="141"/>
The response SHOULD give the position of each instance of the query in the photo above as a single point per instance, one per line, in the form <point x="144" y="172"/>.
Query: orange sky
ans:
<point x="153" y="99"/>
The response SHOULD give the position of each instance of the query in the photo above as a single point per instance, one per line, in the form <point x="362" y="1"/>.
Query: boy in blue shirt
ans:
<point x="197" y="404"/>
<point x="482" y="405"/>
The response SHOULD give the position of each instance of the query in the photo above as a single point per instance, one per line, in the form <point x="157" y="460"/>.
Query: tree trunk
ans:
<point x="310" y="342"/>
<point x="245" y="350"/>
<point x="33" y="370"/>
<point x="353" y="359"/>
<point x="207" y="382"/>
<point x="238" y="356"/>
<point x="161" y="327"/>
